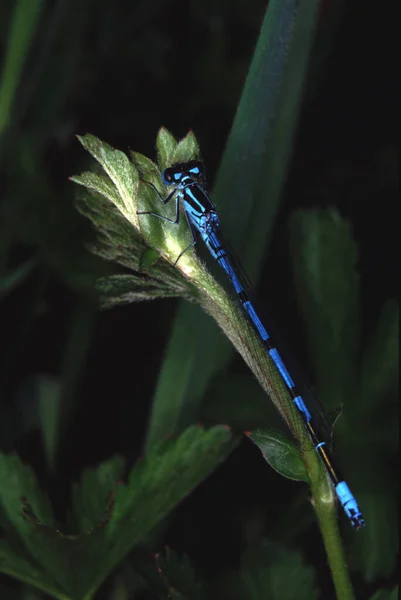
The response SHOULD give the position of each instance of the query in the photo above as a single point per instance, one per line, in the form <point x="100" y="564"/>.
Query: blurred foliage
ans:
<point x="75" y="386"/>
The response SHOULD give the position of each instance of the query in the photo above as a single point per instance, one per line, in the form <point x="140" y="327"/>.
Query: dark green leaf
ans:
<point x="380" y="363"/>
<point x="15" y="565"/>
<point x="163" y="479"/>
<point x="93" y="493"/>
<point x="9" y="281"/>
<point x="49" y="407"/>
<point x="374" y="549"/>
<point x="324" y="262"/>
<point x="18" y="481"/>
<point x="180" y="578"/>
<point x="271" y="572"/>
<point x="25" y="17"/>
<point x="26" y="508"/>
<point x="386" y="594"/>
<point x="239" y="401"/>
<point x="111" y="518"/>
<point x="280" y="453"/>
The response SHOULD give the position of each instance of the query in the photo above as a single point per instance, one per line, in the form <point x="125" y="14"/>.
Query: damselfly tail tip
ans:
<point x="357" y="521"/>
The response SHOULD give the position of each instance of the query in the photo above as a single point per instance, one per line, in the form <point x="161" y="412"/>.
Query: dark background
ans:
<point x="121" y="70"/>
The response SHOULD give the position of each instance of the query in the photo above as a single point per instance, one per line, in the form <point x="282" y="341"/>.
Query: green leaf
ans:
<point x="386" y="594"/>
<point x="73" y="561"/>
<point x="67" y="561"/>
<point x="148" y="258"/>
<point x="147" y="168"/>
<point x="74" y="356"/>
<point x="49" y="407"/>
<point x="15" y="565"/>
<point x="162" y="480"/>
<point x="115" y="232"/>
<point x="17" y="486"/>
<point x="111" y="518"/>
<point x="259" y="147"/>
<point x="123" y="289"/>
<point x="123" y="234"/>
<point x="374" y="550"/>
<point x="134" y="199"/>
<point x="165" y="144"/>
<point x="168" y="237"/>
<point x="187" y="149"/>
<point x="179" y="576"/>
<point x="121" y="171"/>
<point x="140" y="571"/>
<point x="18" y="481"/>
<point x="25" y="17"/>
<point x="271" y="572"/>
<point x="380" y="362"/>
<point x="324" y="262"/>
<point x="9" y="281"/>
<point x="93" y="492"/>
<point x="155" y="487"/>
<point x="100" y="184"/>
<point x="281" y="454"/>
<point x="239" y="401"/>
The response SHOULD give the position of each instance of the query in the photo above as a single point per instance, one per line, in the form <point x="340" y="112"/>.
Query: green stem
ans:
<point x="324" y="502"/>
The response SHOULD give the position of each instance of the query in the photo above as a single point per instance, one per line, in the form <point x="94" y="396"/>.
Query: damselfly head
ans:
<point x="174" y="174"/>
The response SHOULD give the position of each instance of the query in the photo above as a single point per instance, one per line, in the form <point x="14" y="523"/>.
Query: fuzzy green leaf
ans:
<point x="147" y="168"/>
<point x="100" y="184"/>
<point x="120" y="170"/>
<point x="187" y="149"/>
<point x="128" y="240"/>
<point x="124" y="289"/>
<point x="165" y="145"/>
